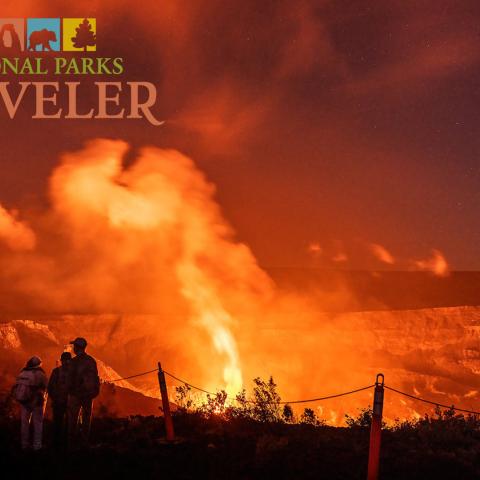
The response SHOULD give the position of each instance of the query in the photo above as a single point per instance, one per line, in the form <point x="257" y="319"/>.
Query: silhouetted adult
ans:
<point x="29" y="391"/>
<point x="83" y="387"/>
<point x="58" y="393"/>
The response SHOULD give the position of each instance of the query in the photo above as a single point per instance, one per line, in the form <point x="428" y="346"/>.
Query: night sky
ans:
<point x="325" y="125"/>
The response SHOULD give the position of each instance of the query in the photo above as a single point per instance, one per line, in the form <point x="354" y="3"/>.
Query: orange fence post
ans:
<point x="165" y="405"/>
<point x="376" y="429"/>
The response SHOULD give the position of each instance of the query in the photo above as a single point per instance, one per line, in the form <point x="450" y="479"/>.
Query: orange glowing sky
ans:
<point x="335" y="124"/>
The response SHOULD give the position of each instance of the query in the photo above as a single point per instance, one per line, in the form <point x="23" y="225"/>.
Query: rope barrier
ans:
<point x="133" y="376"/>
<point x="452" y="407"/>
<point x="310" y="400"/>
<point x="376" y="417"/>
<point x="280" y="403"/>
<point x="188" y="384"/>
<point x="329" y="396"/>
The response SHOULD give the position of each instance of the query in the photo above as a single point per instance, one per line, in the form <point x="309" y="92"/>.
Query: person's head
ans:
<point x="34" y="362"/>
<point x="65" y="357"/>
<point x="79" y="345"/>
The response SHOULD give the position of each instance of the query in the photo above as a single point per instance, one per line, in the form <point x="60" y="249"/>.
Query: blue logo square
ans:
<point x="43" y="34"/>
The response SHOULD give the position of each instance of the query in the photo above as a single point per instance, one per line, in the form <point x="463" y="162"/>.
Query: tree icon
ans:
<point x="85" y="36"/>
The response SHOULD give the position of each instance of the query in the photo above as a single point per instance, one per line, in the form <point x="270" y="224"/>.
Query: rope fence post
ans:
<point x="376" y="429"/>
<point x="167" y="416"/>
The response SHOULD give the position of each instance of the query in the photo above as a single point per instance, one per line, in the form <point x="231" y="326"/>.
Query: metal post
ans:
<point x="376" y="429"/>
<point x="167" y="416"/>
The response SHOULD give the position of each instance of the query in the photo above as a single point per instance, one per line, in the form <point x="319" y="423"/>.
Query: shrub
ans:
<point x="183" y="397"/>
<point x="309" y="417"/>
<point x="364" y="418"/>
<point x="267" y="401"/>
<point x="241" y="408"/>
<point x="287" y="414"/>
<point x="215" y="404"/>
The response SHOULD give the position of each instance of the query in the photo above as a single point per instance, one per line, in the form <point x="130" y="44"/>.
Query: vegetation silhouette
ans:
<point x="217" y="441"/>
<point x="264" y="406"/>
<point x="222" y="440"/>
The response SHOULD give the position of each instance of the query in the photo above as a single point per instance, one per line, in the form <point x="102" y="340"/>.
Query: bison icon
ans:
<point x="42" y="38"/>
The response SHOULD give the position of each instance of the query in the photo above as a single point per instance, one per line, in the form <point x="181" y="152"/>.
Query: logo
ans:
<point x="47" y="35"/>
<point x="62" y="51"/>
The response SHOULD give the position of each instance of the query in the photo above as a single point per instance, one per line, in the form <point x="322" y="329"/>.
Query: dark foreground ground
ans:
<point x="442" y="448"/>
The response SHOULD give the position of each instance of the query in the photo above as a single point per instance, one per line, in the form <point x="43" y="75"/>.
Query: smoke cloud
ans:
<point x="139" y="237"/>
<point x="147" y="238"/>
<point x="437" y="264"/>
<point x="382" y="254"/>
<point x="14" y="233"/>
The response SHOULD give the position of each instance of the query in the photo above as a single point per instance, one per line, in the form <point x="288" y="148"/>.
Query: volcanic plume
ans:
<point x="133" y="251"/>
<point x="144" y="238"/>
<point x="14" y="233"/>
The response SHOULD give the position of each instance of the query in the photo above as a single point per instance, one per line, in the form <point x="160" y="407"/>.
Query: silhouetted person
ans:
<point x="29" y="391"/>
<point x="58" y="393"/>
<point x="83" y="387"/>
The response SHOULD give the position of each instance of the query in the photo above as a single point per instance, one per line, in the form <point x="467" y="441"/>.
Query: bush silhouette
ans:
<point x="183" y="397"/>
<point x="287" y="414"/>
<point x="267" y="401"/>
<point x="364" y="418"/>
<point x="309" y="417"/>
<point x="215" y="404"/>
<point x="264" y="406"/>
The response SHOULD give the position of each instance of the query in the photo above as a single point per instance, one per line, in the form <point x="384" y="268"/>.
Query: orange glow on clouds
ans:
<point x="437" y="264"/>
<point x="17" y="235"/>
<point x="148" y="245"/>
<point x="382" y="254"/>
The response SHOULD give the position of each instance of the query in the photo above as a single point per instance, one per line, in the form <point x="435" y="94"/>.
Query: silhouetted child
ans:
<point x="58" y="393"/>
